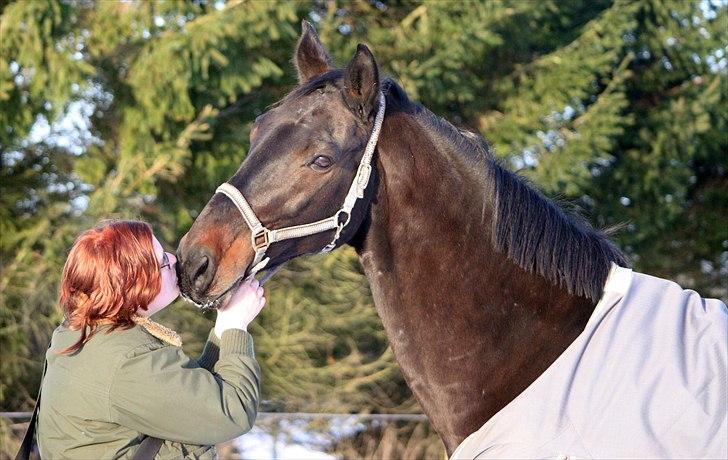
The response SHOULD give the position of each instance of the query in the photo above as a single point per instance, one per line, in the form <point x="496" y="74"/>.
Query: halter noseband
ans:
<point x="262" y="237"/>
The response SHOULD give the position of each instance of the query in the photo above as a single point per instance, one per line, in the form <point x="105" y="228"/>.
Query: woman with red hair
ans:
<point x="116" y="380"/>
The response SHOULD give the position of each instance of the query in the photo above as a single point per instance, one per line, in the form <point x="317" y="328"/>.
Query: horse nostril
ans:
<point x="202" y="267"/>
<point x="202" y="273"/>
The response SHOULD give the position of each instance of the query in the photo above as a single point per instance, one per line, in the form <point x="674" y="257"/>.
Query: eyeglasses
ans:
<point x="165" y="262"/>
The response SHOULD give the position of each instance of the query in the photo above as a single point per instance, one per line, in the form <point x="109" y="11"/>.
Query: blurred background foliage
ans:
<point x="139" y="109"/>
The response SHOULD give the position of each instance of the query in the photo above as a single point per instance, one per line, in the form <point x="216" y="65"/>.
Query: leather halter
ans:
<point x="262" y="237"/>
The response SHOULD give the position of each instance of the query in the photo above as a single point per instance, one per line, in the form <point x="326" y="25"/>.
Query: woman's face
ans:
<point x="169" y="290"/>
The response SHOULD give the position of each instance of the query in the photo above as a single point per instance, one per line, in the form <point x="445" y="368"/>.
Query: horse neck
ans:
<point x="469" y="328"/>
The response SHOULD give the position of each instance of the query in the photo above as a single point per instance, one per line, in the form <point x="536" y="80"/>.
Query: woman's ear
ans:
<point x="361" y="83"/>
<point x="310" y="57"/>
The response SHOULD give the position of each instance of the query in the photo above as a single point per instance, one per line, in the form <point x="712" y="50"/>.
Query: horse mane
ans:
<point x="542" y="238"/>
<point x="527" y="227"/>
<point x="332" y="77"/>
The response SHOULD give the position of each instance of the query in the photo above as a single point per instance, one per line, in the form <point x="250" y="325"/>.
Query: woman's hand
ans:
<point x="241" y="308"/>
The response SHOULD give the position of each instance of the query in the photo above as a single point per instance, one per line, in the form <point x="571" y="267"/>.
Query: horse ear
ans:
<point x="310" y="58"/>
<point x="361" y="82"/>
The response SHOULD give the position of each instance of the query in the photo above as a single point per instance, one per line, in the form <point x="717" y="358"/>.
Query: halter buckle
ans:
<point x="259" y="239"/>
<point x="366" y="172"/>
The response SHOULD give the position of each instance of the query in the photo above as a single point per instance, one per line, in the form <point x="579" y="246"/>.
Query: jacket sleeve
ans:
<point x="161" y="392"/>
<point x="211" y="352"/>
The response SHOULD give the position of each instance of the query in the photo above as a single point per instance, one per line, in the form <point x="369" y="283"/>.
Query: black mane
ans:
<point x="540" y="237"/>
<point x="320" y="81"/>
<point x="528" y="227"/>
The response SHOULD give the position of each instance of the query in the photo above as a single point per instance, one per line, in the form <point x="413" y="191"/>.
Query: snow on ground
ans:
<point x="294" y="439"/>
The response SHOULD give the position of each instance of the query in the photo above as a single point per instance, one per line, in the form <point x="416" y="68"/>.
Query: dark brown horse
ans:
<point x="480" y="281"/>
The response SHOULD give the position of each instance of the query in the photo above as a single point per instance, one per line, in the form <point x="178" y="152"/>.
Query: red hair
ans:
<point x="111" y="272"/>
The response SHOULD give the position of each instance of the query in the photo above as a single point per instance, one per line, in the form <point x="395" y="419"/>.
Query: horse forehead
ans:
<point x="322" y="114"/>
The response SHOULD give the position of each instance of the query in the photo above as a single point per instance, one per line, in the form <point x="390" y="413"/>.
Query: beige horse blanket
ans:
<point x="647" y="378"/>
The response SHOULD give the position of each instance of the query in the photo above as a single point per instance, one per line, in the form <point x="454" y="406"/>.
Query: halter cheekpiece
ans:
<point x="262" y="237"/>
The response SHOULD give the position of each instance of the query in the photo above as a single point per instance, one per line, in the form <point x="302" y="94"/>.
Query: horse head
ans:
<point x="305" y="156"/>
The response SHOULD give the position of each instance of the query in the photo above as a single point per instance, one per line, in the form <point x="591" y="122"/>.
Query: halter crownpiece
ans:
<point x="262" y="237"/>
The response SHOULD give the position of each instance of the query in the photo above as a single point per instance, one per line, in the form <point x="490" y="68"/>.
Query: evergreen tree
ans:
<point x="171" y="90"/>
<point x="618" y="107"/>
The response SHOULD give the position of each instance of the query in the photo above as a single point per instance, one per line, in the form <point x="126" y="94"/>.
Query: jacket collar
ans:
<point x="163" y="333"/>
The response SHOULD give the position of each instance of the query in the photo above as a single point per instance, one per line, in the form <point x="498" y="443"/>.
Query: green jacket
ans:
<point x="102" y="401"/>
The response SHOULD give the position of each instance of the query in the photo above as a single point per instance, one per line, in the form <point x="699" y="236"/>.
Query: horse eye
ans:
<point x="321" y="162"/>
